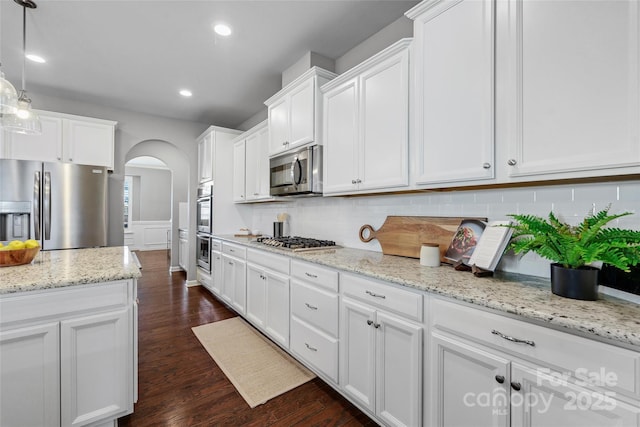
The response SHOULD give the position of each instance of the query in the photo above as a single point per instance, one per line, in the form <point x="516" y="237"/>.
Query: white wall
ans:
<point x="152" y="193"/>
<point x="340" y="218"/>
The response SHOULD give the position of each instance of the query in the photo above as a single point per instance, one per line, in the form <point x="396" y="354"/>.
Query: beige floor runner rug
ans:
<point x="257" y="368"/>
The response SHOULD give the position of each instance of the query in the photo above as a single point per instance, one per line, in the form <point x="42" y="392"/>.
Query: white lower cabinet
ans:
<point x="519" y="374"/>
<point x="65" y="367"/>
<point x="314" y="317"/>
<point x="268" y="294"/>
<point x="381" y="358"/>
<point x="234" y="279"/>
<point x="216" y="272"/>
<point x="183" y="249"/>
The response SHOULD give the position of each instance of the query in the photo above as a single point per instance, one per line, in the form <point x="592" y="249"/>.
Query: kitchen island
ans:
<point x="68" y="338"/>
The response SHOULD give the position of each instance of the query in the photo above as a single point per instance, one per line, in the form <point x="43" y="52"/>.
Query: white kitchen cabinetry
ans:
<point x="239" y="171"/>
<point x="216" y="266"/>
<point x="234" y="280"/>
<point x="66" y="138"/>
<point x="453" y="105"/>
<point x="294" y="112"/>
<point x="183" y="249"/>
<point x="491" y="370"/>
<point x="571" y="104"/>
<point x="366" y="115"/>
<point x="314" y="317"/>
<point x="251" y="165"/>
<point x="381" y="352"/>
<point x="61" y="366"/>
<point x="205" y="156"/>
<point x="268" y="294"/>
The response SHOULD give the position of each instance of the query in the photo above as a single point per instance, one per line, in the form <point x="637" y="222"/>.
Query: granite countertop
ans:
<point x="526" y="296"/>
<point x="56" y="269"/>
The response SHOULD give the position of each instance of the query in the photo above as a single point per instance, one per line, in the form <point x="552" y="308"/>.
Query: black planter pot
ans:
<point x="577" y="283"/>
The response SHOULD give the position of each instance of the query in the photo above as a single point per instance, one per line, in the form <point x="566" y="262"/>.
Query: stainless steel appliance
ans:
<point x="62" y="205"/>
<point x="297" y="173"/>
<point x="297" y="243"/>
<point x="203" y="252"/>
<point x="204" y="209"/>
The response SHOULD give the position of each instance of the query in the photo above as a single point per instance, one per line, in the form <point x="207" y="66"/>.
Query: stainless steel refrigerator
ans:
<point x="62" y="205"/>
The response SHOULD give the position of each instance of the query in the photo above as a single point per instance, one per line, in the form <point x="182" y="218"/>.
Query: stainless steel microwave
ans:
<point x="297" y="173"/>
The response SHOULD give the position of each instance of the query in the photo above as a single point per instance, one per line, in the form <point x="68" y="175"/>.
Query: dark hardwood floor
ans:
<point x="180" y="385"/>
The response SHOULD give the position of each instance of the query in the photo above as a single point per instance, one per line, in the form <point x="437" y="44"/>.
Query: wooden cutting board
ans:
<point x="404" y="235"/>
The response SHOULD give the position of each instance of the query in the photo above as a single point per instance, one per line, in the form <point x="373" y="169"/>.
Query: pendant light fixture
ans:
<point x="25" y="120"/>
<point x="8" y="96"/>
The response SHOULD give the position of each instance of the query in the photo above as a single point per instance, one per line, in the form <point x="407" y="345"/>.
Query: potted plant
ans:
<point x="573" y="249"/>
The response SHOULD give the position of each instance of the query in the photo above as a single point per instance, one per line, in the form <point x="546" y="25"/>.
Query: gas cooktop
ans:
<point x="297" y="243"/>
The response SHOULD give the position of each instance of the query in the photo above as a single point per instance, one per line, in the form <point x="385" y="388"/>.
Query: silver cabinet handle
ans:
<point x="358" y="181"/>
<point x="512" y="162"/>
<point x="256" y="194"/>
<point x="375" y="295"/>
<point x="369" y="322"/>
<point x="512" y="339"/>
<point x="372" y="323"/>
<point x="310" y="307"/>
<point x="231" y="250"/>
<point x="486" y="165"/>
<point x="313" y="276"/>
<point x="310" y="348"/>
<point x="230" y="263"/>
<point x="353" y="181"/>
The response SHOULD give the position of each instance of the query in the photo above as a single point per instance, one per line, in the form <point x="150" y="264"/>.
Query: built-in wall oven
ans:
<point x="204" y="209"/>
<point x="203" y="252"/>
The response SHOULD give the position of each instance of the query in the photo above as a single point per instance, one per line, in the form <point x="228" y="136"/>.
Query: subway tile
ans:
<point x="518" y="195"/>
<point x="489" y="196"/>
<point x="629" y="191"/>
<point x="554" y="194"/>
<point x="607" y="193"/>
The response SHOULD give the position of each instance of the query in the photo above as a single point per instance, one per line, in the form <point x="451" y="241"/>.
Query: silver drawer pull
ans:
<point x="310" y="348"/>
<point x="375" y="295"/>
<point x="512" y="339"/>
<point x="310" y="307"/>
<point x="313" y="276"/>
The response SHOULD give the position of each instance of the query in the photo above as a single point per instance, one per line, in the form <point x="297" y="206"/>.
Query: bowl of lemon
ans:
<point x="17" y="252"/>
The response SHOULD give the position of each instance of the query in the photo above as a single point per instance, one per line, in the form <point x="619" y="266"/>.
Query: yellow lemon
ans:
<point x="31" y="243"/>
<point x="16" y="244"/>
<point x="1" y="244"/>
<point x="5" y="248"/>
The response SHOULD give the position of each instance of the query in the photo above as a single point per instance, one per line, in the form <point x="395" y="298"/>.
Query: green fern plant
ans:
<point x="580" y="245"/>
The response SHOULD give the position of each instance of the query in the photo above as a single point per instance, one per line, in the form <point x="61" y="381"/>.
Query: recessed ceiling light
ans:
<point x="222" y="29"/>
<point x="186" y="93"/>
<point x="36" y="58"/>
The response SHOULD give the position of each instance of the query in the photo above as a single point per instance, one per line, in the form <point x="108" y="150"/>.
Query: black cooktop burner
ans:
<point x="296" y="242"/>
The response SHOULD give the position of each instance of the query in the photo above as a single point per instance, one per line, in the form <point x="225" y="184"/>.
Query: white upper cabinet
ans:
<point x="294" y="112"/>
<point x="365" y="115"/>
<point x="453" y="97"/>
<point x="205" y="157"/>
<point x="65" y="138"/>
<point x="251" y="165"/>
<point x="571" y="96"/>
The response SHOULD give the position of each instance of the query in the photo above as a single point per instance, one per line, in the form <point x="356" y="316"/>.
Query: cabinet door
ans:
<point x="205" y="158"/>
<point x="302" y="113"/>
<point x="235" y="283"/>
<point x="278" y="126"/>
<point x="357" y="349"/>
<point x="454" y="105"/>
<point x="46" y="147"/>
<point x="228" y="278"/>
<point x="30" y="372"/>
<point x="256" y="296"/>
<point x="399" y="371"/>
<point x="252" y="165"/>
<point x="469" y="386"/>
<point x="216" y="272"/>
<point x="341" y="138"/>
<point x="88" y="143"/>
<point x="278" y="313"/>
<point x="574" y="86"/>
<point x="384" y="124"/>
<point x="263" y="175"/>
<point x="239" y="171"/>
<point x="183" y="253"/>
<point x="545" y="399"/>
<point x="97" y="367"/>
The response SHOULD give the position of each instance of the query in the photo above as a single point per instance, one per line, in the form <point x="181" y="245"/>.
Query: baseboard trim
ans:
<point x="175" y="268"/>
<point x="191" y="283"/>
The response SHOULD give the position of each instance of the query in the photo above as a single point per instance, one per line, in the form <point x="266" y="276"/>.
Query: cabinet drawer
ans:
<point x="216" y="245"/>
<point x="315" y="306"/>
<point x="234" y="250"/>
<point x="315" y="348"/>
<point x="386" y="296"/>
<point x="586" y="359"/>
<point x="315" y="274"/>
<point x="204" y="279"/>
<point x="273" y="262"/>
<point x="32" y="306"/>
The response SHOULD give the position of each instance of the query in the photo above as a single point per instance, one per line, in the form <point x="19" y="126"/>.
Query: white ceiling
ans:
<point x="137" y="54"/>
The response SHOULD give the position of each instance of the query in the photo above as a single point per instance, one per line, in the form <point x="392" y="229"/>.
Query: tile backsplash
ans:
<point x="340" y="218"/>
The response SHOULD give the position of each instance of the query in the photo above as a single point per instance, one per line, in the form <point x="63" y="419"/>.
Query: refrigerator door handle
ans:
<point x="46" y="211"/>
<point x="36" y="204"/>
